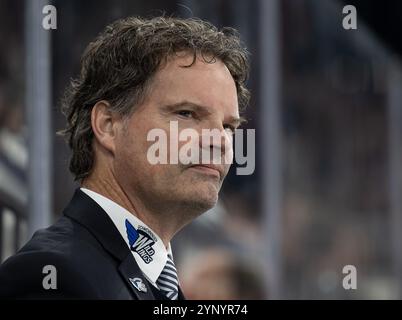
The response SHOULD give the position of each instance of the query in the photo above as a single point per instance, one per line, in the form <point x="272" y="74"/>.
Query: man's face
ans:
<point x="202" y="96"/>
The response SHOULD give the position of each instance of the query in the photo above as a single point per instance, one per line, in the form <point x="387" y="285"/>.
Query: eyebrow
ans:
<point x="235" y="121"/>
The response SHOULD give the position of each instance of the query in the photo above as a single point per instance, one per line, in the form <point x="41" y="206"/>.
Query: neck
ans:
<point x="162" y="224"/>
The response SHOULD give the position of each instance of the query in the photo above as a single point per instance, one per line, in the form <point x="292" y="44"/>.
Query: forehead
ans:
<point x="209" y="84"/>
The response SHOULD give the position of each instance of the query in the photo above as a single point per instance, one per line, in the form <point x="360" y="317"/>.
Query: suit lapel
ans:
<point x="89" y="214"/>
<point x="134" y="278"/>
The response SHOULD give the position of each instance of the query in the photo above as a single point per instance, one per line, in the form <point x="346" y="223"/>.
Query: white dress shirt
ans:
<point x="151" y="263"/>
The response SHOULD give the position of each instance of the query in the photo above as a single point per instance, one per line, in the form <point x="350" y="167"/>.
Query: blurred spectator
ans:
<point x="13" y="150"/>
<point x="217" y="273"/>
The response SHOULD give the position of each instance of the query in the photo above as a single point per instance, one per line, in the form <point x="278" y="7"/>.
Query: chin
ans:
<point x="202" y="201"/>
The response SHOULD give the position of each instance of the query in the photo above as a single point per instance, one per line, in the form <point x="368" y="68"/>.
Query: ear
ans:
<point x="104" y="125"/>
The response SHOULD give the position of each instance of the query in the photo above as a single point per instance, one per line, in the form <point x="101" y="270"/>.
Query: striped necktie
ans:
<point x="168" y="282"/>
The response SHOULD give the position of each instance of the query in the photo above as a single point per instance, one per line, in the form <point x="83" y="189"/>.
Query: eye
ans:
<point x="185" y="113"/>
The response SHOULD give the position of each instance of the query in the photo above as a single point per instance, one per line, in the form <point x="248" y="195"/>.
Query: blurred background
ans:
<point x="327" y="109"/>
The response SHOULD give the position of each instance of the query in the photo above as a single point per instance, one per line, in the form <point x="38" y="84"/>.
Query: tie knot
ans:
<point x="168" y="281"/>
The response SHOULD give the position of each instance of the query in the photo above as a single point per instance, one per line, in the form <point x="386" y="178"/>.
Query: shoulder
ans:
<point x="56" y="263"/>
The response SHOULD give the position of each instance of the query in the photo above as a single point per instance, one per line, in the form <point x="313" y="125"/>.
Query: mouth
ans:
<point x="208" y="170"/>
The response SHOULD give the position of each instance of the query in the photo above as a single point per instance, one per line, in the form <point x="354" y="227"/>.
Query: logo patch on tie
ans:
<point x="141" y="241"/>
<point x="138" y="284"/>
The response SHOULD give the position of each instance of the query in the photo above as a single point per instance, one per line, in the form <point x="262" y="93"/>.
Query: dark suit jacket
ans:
<point x="91" y="258"/>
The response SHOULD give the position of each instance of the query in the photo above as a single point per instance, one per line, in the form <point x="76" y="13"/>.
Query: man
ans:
<point x="113" y="240"/>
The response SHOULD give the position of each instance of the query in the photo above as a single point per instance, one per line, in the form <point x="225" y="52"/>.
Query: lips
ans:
<point x="209" y="169"/>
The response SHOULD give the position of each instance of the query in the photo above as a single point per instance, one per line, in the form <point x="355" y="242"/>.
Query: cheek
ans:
<point x="133" y="155"/>
<point x="133" y="140"/>
<point x="128" y="149"/>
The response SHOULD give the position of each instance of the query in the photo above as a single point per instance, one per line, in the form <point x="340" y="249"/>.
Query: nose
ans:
<point x="219" y="144"/>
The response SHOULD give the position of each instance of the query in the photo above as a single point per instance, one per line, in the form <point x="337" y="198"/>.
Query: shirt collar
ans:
<point x="147" y="248"/>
